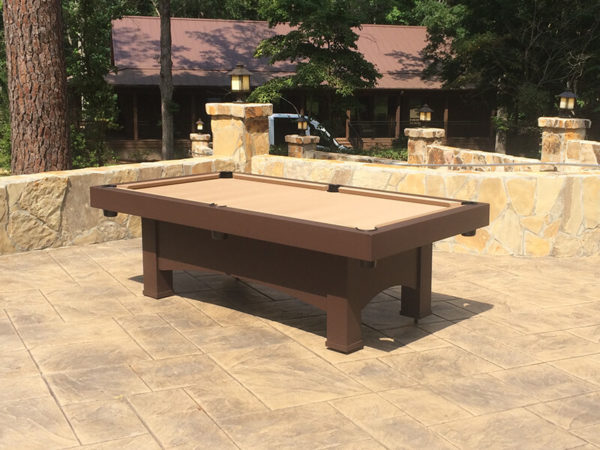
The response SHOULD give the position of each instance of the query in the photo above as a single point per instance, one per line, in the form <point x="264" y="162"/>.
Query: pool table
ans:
<point x="332" y="246"/>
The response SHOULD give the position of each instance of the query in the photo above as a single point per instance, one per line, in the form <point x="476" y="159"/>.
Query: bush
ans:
<point x="4" y="141"/>
<point x="280" y="150"/>
<point x="88" y="147"/>
<point x="389" y="153"/>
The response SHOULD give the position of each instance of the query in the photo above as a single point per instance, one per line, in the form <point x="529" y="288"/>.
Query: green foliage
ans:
<point x="388" y="153"/>
<point x="280" y="150"/>
<point x="4" y="111"/>
<point x="88" y="147"/>
<point x="322" y="44"/>
<point x="521" y="52"/>
<point x="4" y="140"/>
<point x="88" y="61"/>
<point x="216" y="9"/>
<point x="403" y="12"/>
<point x="271" y="92"/>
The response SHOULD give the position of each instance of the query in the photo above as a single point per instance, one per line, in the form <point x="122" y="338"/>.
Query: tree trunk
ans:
<point x="501" y="120"/>
<point x="166" y="80"/>
<point x="37" y="86"/>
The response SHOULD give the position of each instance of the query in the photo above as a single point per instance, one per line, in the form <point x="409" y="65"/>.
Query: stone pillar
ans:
<point x="301" y="146"/>
<point x="240" y="130"/>
<point x="418" y="141"/>
<point x="200" y="145"/>
<point x="556" y="132"/>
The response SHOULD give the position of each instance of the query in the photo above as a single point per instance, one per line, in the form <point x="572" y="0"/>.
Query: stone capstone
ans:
<point x="198" y="137"/>
<point x="303" y="140"/>
<point x="426" y="133"/>
<point x="239" y="110"/>
<point x="563" y="123"/>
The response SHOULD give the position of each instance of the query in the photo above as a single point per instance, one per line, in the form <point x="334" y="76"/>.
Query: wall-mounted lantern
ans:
<point x="425" y="114"/>
<point x="240" y="81"/>
<point x="567" y="103"/>
<point x="199" y="126"/>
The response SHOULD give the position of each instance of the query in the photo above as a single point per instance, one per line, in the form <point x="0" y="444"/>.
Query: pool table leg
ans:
<point x="343" y="325"/>
<point x="157" y="283"/>
<point x="416" y="301"/>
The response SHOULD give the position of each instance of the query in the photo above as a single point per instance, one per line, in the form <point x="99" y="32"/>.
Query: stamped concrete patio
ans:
<point x="510" y="359"/>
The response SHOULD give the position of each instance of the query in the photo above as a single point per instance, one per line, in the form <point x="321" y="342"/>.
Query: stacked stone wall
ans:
<point x="440" y="154"/>
<point x="52" y="209"/>
<point x="586" y="152"/>
<point x="531" y="213"/>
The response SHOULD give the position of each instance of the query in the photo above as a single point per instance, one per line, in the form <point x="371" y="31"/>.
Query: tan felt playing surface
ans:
<point x="336" y="208"/>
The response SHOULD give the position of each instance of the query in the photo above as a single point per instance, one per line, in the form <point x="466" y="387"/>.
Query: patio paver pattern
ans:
<point x="510" y="358"/>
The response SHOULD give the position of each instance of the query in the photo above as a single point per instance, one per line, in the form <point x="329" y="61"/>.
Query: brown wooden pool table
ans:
<point x="332" y="246"/>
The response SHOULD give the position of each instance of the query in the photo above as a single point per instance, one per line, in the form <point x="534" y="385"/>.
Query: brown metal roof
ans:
<point x="204" y="50"/>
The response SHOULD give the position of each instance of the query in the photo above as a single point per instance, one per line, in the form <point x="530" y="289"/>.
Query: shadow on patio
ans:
<point x="510" y="357"/>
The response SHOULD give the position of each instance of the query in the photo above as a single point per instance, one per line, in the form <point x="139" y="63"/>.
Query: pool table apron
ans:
<point x="339" y="285"/>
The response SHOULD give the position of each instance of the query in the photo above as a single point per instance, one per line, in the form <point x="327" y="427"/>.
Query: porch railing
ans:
<point x="366" y="129"/>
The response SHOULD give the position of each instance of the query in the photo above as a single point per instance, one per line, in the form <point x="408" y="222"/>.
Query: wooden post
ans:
<point x="193" y="115"/>
<point x="446" y="116"/>
<point x="397" y="129"/>
<point x="136" y="134"/>
<point x="348" y="113"/>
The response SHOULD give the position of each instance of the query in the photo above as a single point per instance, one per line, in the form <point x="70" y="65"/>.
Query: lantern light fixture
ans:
<point x="425" y="113"/>
<point x="240" y="80"/>
<point x="567" y="103"/>
<point x="302" y="123"/>
<point x="199" y="125"/>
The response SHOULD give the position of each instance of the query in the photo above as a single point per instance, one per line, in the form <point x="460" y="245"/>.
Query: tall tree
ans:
<point x="523" y="52"/>
<point x="322" y="43"/>
<point x="37" y="86"/>
<point x="4" y="109"/>
<point x="166" y="80"/>
<point x="216" y="9"/>
<point x="93" y="104"/>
